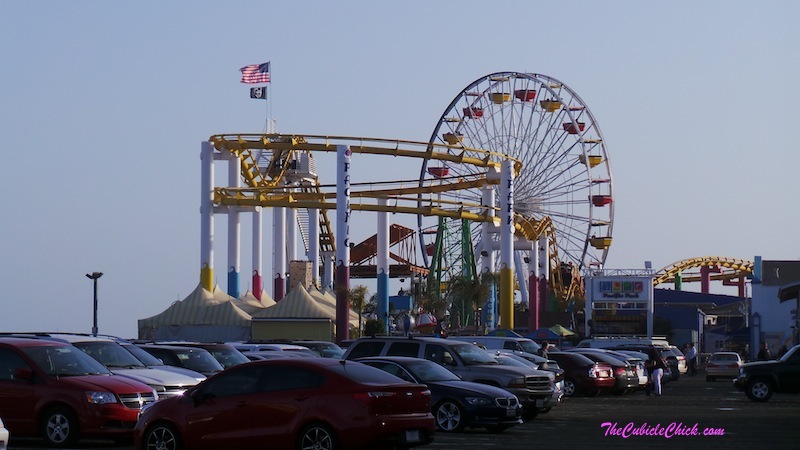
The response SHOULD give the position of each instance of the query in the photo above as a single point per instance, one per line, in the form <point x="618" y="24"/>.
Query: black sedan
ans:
<point x="456" y="403"/>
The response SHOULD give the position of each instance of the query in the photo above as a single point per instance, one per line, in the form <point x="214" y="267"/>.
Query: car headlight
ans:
<point x="479" y="401"/>
<point x="100" y="398"/>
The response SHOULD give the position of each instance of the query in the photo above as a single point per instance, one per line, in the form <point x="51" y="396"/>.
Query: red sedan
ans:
<point x="296" y="403"/>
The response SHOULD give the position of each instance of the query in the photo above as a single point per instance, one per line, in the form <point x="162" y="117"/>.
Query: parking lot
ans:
<point x="690" y="405"/>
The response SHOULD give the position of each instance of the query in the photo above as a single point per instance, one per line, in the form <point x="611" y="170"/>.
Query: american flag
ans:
<point x="255" y="73"/>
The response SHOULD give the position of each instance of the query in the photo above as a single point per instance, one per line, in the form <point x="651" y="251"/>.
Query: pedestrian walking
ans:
<point x="764" y="354"/>
<point x="655" y="371"/>
<point x="691" y="359"/>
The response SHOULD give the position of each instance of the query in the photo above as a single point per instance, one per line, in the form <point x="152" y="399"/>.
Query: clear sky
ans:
<point x="103" y="106"/>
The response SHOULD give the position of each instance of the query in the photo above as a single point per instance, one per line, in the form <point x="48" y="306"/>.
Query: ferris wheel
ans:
<point x="565" y="175"/>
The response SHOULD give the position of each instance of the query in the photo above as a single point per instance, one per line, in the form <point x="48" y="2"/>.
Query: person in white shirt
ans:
<point x="691" y="359"/>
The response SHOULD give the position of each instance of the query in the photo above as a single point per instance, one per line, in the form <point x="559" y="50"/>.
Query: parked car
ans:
<point x="457" y="404"/>
<point x="324" y="348"/>
<point x="3" y="435"/>
<point x="318" y="403"/>
<point x="226" y="354"/>
<point x="683" y="365"/>
<point x="723" y="365"/>
<point x="535" y="389"/>
<point x="670" y="359"/>
<point x="192" y="358"/>
<point x="55" y="391"/>
<point x="274" y="347"/>
<point x="151" y="361"/>
<point x="635" y="360"/>
<point x="582" y="375"/>
<point x="111" y="354"/>
<point x="760" y="379"/>
<point x="625" y="374"/>
<point x="260" y="356"/>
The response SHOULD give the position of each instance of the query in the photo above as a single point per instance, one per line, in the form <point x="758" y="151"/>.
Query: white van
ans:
<point x="606" y="342"/>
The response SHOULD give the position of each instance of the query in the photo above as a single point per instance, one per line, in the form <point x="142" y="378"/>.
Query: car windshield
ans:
<point x="427" y="371"/>
<point x="110" y="354"/>
<point x="146" y="358"/>
<point x="530" y="346"/>
<point x="473" y="355"/>
<point x="228" y="357"/>
<point x="65" y="361"/>
<point x="198" y="360"/>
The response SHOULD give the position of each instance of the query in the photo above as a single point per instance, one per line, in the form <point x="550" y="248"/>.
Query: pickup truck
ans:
<point x="534" y="388"/>
<point x="760" y="379"/>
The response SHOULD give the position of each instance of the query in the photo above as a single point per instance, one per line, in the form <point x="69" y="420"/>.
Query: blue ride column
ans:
<point x="342" y="280"/>
<point x="383" y="263"/>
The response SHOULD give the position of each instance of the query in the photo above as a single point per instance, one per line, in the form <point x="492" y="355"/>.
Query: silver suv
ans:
<point x="534" y="388"/>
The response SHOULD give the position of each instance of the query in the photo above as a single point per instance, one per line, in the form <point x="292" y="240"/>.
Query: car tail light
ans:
<point x="372" y="394"/>
<point x="619" y="371"/>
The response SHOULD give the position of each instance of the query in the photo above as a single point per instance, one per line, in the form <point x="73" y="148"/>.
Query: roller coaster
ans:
<point x="563" y="185"/>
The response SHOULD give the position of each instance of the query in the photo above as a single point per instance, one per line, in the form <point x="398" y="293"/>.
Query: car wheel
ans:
<point x="758" y="390"/>
<point x="162" y="436"/>
<point x="449" y="416"/>
<point x="569" y="387"/>
<point x="60" y="427"/>
<point x="496" y="428"/>
<point x="317" y="437"/>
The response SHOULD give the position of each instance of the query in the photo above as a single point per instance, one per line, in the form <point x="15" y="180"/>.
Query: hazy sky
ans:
<point x="103" y="106"/>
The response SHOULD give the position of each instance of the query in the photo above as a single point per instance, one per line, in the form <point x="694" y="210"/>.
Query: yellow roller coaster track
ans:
<point x="729" y="269"/>
<point x="266" y="187"/>
<point x="531" y="229"/>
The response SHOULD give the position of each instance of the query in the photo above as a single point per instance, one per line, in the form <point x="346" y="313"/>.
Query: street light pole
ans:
<point x="94" y="276"/>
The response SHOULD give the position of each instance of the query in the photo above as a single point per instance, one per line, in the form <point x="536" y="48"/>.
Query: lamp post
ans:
<point x="94" y="276"/>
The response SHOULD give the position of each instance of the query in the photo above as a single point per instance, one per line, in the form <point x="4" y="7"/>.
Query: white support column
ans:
<point x="487" y="260"/>
<point x="206" y="215"/>
<point x="507" y="246"/>
<point x="278" y="253"/>
<point x="382" y="263"/>
<point x="313" y="245"/>
<point x="257" y="253"/>
<point x="234" y="228"/>
<point x="342" y="242"/>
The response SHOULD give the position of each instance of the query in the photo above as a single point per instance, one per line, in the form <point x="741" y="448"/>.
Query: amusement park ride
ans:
<point x="525" y="136"/>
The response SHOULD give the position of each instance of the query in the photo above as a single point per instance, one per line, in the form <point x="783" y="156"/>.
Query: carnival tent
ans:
<point x="202" y="316"/>
<point x="250" y="304"/>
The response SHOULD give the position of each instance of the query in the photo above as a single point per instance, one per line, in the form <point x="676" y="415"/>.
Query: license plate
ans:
<point x="511" y="412"/>
<point x="539" y="403"/>
<point x="412" y="436"/>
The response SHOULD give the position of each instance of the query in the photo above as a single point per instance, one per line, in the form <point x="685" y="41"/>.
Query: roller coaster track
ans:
<point x="266" y="163"/>
<point x="729" y="269"/>
<point x="531" y="229"/>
